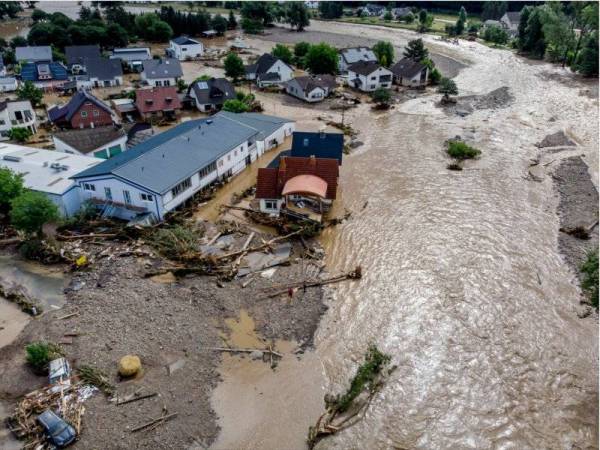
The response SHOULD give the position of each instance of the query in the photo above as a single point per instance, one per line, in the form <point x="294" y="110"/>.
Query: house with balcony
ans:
<point x="161" y="72"/>
<point x="16" y="114"/>
<point x="185" y="48"/>
<point x="132" y="57"/>
<point x="367" y="76"/>
<point x="82" y="111"/>
<point x="349" y="56"/>
<point x="159" y="174"/>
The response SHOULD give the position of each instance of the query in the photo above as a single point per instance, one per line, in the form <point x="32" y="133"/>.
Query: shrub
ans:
<point x="31" y="210"/>
<point x="495" y="34"/>
<point x="590" y="277"/>
<point x="460" y="150"/>
<point x="381" y="96"/>
<point x="234" y="66"/>
<point x="454" y="166"/>
<point x="39" y="354"/>
<point x="235" y="106"/>
<point x="178" y="242"/>
<point x="20" y="134"/>
<point x="435" y="76"/>
<point x="11" y="186"/>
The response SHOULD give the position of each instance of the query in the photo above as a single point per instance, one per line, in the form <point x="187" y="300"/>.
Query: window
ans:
<point x="167" y="83"/>
<point x="2" y="122"/>
<point x="84" y="114"/>
<point x="108" y="193"/>
<point x="220" y="163"/>
<point x="373" y="78"/>
<point x="373" y="86"/>
<point x="270" y="204"/>
<point x="185" y="184"/>
<point x="146" y="197"/>
<point x="89" y="187"/>
<point x="127" y="197"/>
<point x="235" y="153"/>
<point x="96" y="113"/>
<point x="229" y="157"/>
<point x="207" y="170"/>
<point x="158" y="83"/>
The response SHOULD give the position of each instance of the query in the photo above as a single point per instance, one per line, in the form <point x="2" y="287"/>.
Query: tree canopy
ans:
<point x="331" y="10"/>
<point x="322" y="59"/>
<point x="416" y="50"/>
<point x="28" y="91"/>
<point x="296" y="14"/>
<point x="31" y="210"/>
<point x="384" y="52"/>
<point x="283" y="52"/>
<point x="11" y="186"/>
<point x="234" y="66"/>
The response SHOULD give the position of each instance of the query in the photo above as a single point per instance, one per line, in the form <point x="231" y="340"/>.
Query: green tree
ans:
<point x="31" y="210"/>
<point x="408" y="18"/>
<point x="558" y="33"/>
<point x="11" y="186"/>
<point x="416" y="50"/>
<point x="151" y="28"/>
<point x="384" y="52"/>
<point x="388" y="16"/>
<point x="231" y="21"/>
<point x="296" y="14"/>
<point x="533" y="41"/>
<point x="322" y="59"/>
<point x="18" y="41"/>
<point x="301" y="49"/>
<point x="38" y="15"/>
<point x="459" y="27"/>
<point x="425" y="21"/>
<point x="19" y="134"/>
<point x="252" y="26"/>
<point x="590" y="277"/>
<point x="587" y="60"/>
<point x="495" y="34"/>
<point x="234" y="66"/>
<point x="381" y="96"/>
<point x="447" y="87"/>
<point x="28" y="91"/>
<point x="331" y="10"/>
<point x="283" y="53"/>
<point x="219" y="24"/>
<point x="10" y="9"/>
<point x="493" y="10"/>
<point x="258" y="11"/>
<point x="235" y="106"/>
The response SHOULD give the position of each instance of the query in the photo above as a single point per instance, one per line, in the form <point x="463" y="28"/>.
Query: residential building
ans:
<point x="82" y="111"/>
<point x="164" y="171"/>
<point x="124" y="108"/>
<point x="45" y="75"/>
<point x="8" y="84"/>
<point x="368" y="76"/>
<point x="162" y="72"/>
<point x="132" y="57"/>
<point x="157" y="102"/>
<point x="48" y="172"/>
<point x="300" y="187"/>
<point x="349" y="56"/>
<point x="16" y="114"/>
<point x="493" y="23"/>
<point x="408" y="72"/>
<point x="510" y="21"/>
<point x="210" y="95"/>
<point x="33" y="54"/>
<point x="77" y="54"/>
<point x="269" y="71"/>
<point x="103" y="72"/>
<point x="399" y="13"/>
<point x="184" y="48"/>
<point x="311" y="88"/>
<point x="100" y="142"/>
<point x="373" y="9"/>
<point x="318" y="144"/>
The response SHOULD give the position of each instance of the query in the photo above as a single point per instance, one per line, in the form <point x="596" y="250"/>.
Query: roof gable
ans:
<point x="185" y="40"/>
<point x="320" y="145"/>
<point x="354" y="54"/>
<point x="103" y="68"/>
<point x="66" y="112"/>
<point x="34" y="53"/>
<point x="365" y="67"/>
<point x="407" y="67"/>
<point x="214" y="91"/>
<point x="89" y="139"/>
<point x="162" y="68"/>
<point x="157" y="99"/>
<point x="55" y="71"/>
<point x="75" y="54"/>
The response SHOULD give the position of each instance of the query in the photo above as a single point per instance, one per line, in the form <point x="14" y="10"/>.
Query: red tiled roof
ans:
<point x="157" y="99"/>
<point x="309" y="184"/>
<point x="271" y="181"/>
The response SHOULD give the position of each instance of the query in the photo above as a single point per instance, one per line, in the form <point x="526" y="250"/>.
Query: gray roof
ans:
<point x="75" y="54"/>
<point x="364" y="67"/>
<point x="407" y="68"/>
<point x="401" y="12"/>
<point x="162" y="68"/>
<point x="130" y="54"/>
<point x="309" y="83"/>
<point x="184" y="40"/>
<point x="7" y="80"/>
<point x="89" y="139"/>
<point x="103" y="68"/>
<point x="355" y="54"/>
<point x="514" y="17"/>
<point x="262" y="64"/>
<point x="214" y="91"/>
<point x="33" y="54"/>
<point x="166" y="159"/>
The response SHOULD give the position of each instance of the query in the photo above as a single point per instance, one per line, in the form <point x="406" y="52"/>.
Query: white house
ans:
<point x="369" y="76"/>
<point x="349" y="56"/>
<point x="510" y="22"/>
<point x="269" y="71"/>
<point x="161" y="72"/>
<point x="8" y="84"/>
<point x="311" y="88"/>
<point x="184" y="48"/>
<point x="104" y="72"/>
<point x="48" y="172"/>
<point x="410" y="73"/>
<point x="162" y="172"/>
<point x="16" y="114"/>
<point x="101" y="142"/>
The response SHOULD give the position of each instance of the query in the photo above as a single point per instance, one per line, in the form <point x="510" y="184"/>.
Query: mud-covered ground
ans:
<point x="120" y="312"/>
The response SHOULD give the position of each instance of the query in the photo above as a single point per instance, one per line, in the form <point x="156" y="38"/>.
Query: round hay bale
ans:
<point x="129" y="365"/>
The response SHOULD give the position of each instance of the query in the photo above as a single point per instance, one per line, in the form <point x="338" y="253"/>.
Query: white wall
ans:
<point x="160" y="81"/>
<point x="316" y="95"/>
<point x="10" y="87"/>
<point x="372" y="81"/>
<point x="62" y="146"/>
<point x="96" y="82"/>
<point x="182" y="52"/>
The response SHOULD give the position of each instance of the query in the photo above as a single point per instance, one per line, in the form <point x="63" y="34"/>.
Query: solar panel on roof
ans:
<point x="203" y="85"/>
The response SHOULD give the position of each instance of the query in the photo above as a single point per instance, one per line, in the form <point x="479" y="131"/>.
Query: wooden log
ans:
<point x="259" y="247"/>
<point x="136" y="398"/>
<point x="158" y="421"/>
<point x="62" y="237"/>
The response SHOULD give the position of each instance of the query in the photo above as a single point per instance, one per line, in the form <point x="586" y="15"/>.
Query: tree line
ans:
<point x="258" y="15"/>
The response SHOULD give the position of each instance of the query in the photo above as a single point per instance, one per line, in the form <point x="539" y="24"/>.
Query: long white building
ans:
<point x="161" y="173"/>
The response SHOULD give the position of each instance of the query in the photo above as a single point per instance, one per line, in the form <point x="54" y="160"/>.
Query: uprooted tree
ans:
<point x="345" y="410"/>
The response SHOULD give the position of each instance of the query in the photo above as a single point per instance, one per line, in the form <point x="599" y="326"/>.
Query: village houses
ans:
<point x="82" y="111"/>
<point x="209" y="95"/>
<point x="33" y="54"/>
<point x="132" y="57"/>
<point x="101" y="142"/>
<point x="408" y="72"/>
<point x="311" y="88"/>
<point x="185" y="48"/>
<point x="510" y="22"/>
<point x="269" y="71"/>
<point x="101" y="72"/>
<point x="76" y="56"/>
<point x="161" y="72"/>
<point x="367" y="76"/>
<point x="349" y="56"/>
<point x="16" y="114"/>
<point x="157" y="102"/>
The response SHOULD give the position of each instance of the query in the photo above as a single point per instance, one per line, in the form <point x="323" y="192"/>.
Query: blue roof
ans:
<point x="321" y="145"/>
<point x="275" y="163"/>
<point x="29" y="71"/>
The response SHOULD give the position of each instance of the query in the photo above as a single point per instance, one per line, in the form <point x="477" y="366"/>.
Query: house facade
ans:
<point x="82" y="111"/>
<point x="269" y="71"/>
<point x="210" y="95"/>
<point x="76" y="56"/>
<point x="157" y="102"/>
<point x="369" y="76"/>
<point x="164" y="171"/>
<point x="16" y="114"/>
<point x="102" y="72"/>
<point x="48" y="172"/>
<point x="8" y="84"/>
<point x="349" y="56"/>
<point x="132" y="57"/>
<point x="510" y="22"/>
<point x="101" y="142"/>
<point x="311" y="89"/>
<point x="184" y="48"/>
<point x="161" y="72"/>
<point x="410" y="73"/>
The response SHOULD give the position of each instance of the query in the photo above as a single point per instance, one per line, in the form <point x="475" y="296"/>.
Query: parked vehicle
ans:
<point x="58" y="432"/>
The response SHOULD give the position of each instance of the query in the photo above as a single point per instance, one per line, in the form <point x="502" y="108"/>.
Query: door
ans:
<point x="127" y="197"/>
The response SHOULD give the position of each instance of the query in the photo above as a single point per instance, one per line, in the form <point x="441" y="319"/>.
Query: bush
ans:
<point x="495" y="34"/>
<point x="252" y="26"/>
<point x="19" y="134"/>
<point x="590" y="277"/>
<point x="381" y="96"/>
<point x="39" y="354"/>
<point x="178" y="242"/>
<point x="234" y="66"/>
<point x="235" y="106"/>
<point x="460" y="150"/>
<point x="435" y="76"/>
<point x="31" y="210"/>
<point x="283" y="53"/>
<point x="11" y="186"/>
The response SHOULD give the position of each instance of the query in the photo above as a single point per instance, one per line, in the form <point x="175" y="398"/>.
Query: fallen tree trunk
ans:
<point x="355" y="274"/>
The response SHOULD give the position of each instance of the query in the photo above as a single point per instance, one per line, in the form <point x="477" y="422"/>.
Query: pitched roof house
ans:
<point x="103" y="72"/>
<point x="161" y="72"/>
<point x="349" y="56"/>
<point x="132" y="56"/>
<point x="101" y="142"/>
<point x="44" y="74"/>
<point x="18" y="113"/>
<point x="368" y="76"/>
<point x="184" y="48"/>
<point x="76" y="54"/>
<point x="82" y="111"/>
<point x="311" y="88"/>
<point x="398" y="13"/>
<point x="33" y="54"/>
<point x="157" y="101"/>
<point x="319" y="144"/>
<point x="510" y="21"/>
<point x="210" y="95"/>
<point x="269" y="71"/>
<point x="408" y="72"/>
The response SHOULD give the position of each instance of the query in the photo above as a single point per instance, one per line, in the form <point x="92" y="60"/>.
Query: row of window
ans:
<point x="126" y="194"/>
<point x="207" y="170"/>
<point x="95" y="113"/>
<point x="184" y="185"/>
<point x="162" y="83"/>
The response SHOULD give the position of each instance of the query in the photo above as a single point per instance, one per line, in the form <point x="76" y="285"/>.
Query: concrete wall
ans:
<point x="183" y="52"/>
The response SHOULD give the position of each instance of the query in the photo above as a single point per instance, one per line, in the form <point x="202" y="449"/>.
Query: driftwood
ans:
<point x="355" y="274"/>
<point x="154" y="423"/>
<point x="135" y="398"/>
<point x="245" y="350"/>
<point x="10" y="241"/>
<point x="258" y="247"/>
<point x="63" y="237"/>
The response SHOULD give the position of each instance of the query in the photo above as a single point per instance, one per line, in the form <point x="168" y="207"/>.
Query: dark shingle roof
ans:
<point x="407" y="68"/>
<point x="89" y="139"/>
<point x="75" y="54"/>
<point x="30" y="72"/>
<point x="214" y="91"/>
<point x="184" y="40"/>
<point x="320" y="145"/>
<point x="308" y="83"/>
<point x="103" y="68"/>
<point x="67" y="111"/>
<point x="162" y="68"/>
<point x="269" y="76"/>
<point x="364" y="67"/>
<point x="262" y="64"/>
<point x="33" y="54"/>
<point x="514" y="16"/>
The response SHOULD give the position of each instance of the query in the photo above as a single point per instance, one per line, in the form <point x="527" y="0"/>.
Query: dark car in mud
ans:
<point x="57" y="431"/>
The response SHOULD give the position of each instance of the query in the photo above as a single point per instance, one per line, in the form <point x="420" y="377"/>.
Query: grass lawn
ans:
<point x="180" y="6"/>
<point x="438" y="27"/>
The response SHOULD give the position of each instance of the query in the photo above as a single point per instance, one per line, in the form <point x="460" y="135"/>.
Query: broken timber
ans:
<point x="355" y="274"/>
